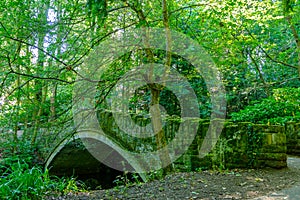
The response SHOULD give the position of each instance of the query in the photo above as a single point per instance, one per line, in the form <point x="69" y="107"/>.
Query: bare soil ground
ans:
<point x="208" y="185"/>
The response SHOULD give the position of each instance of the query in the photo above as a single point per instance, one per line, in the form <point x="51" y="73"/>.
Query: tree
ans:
<point x="255" y="45"/>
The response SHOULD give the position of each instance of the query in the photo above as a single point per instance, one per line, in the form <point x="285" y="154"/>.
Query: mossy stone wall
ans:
<point x="292" y="130"/>
<point x="241" y="145"/>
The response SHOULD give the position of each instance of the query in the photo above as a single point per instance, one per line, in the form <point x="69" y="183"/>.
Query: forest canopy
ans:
<point x="254" y="46"/>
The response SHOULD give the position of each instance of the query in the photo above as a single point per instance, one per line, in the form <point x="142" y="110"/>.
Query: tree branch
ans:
<point x="268" y="56"/>
<point x="190" y="6"/>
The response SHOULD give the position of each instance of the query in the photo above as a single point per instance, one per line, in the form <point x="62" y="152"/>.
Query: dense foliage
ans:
<point x="280" y="108"/>
<point x="254" y="44"/>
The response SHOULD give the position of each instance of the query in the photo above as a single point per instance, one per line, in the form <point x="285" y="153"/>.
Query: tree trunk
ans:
<point x="40" y="95"/>
<point x="53" y="102"/>
<point x="17" y="118"/>
<point x="160" y="136"/>
<point x="266" y="86"/>
<point x="296" y="38"/>
<point x="155" y="89"/>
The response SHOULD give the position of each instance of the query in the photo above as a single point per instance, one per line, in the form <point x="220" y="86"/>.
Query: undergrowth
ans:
<point x="22" y="178"/>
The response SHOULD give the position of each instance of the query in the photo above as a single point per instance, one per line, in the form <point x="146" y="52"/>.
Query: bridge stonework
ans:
<point x="241" y="145"/>
<point x="292" y="130"/>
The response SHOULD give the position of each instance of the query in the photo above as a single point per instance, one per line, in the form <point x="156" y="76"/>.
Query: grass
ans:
<point x="22" y="178"/>
<point x="19" y="181"/>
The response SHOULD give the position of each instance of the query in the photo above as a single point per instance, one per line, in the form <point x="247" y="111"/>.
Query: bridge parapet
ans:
<point x="244" y="145"/>
<point x="292" y="130"/>
<point x="241" y="145"/>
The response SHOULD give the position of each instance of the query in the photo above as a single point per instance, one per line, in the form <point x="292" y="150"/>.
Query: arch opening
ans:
<point x="72" y="159"/>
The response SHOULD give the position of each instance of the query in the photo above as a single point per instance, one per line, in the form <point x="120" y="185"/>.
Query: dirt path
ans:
<point x="258" y="184"/>
<point x="292" y="193"/>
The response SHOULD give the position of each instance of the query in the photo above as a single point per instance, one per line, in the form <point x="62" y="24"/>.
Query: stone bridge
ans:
<point x="71" y="157"/>
<point x="94" y="153"/>
<point x="88" y="151"/>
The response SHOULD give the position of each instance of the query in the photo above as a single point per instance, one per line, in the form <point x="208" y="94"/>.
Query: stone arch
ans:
<point x="98" y="139"/>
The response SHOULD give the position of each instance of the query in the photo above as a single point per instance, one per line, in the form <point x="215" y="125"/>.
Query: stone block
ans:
<point x="272" y="156"/>
<point x="273" y="139"/>
<point x="273" y="148"/>
<point x="279" y="138"/>
<point x="263" y="128"/>
<point x="275" y="164"/>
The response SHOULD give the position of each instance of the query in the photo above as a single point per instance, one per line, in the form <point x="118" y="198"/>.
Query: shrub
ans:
<point x="22" y="177"/>
<point x="283" y="106"/>
<point x="21" y="182"/>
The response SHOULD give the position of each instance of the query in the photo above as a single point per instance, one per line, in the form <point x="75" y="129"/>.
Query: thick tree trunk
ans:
<point x="154" y="88"/>
<point x="160" y="137"/>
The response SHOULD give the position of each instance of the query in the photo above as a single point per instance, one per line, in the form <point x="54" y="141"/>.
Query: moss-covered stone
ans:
<point x="272" y="156"/>
<point x="239" y="145"/>
<point x="273" y="148"/>
<point x="263" y="128"/>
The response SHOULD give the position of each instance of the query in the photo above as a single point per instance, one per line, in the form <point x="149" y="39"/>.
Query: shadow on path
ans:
<point x="292" y="193"/>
